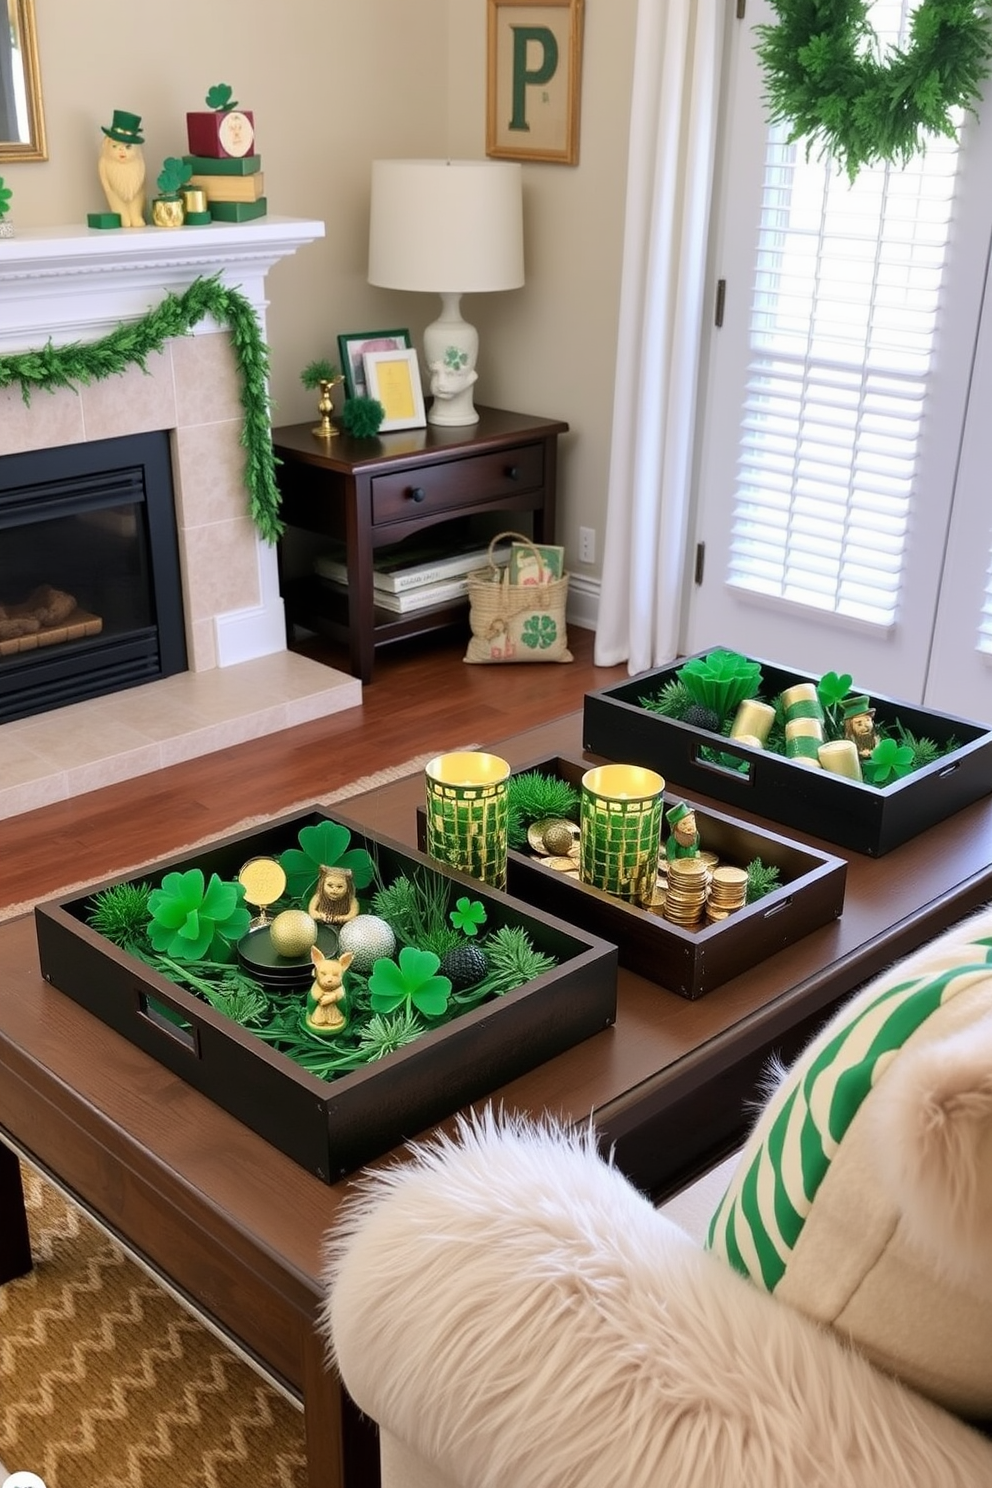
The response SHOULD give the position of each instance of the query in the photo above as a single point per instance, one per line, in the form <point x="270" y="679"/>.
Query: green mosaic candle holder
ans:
<point x="467" y="812"/>
<point x="620" y="830"/>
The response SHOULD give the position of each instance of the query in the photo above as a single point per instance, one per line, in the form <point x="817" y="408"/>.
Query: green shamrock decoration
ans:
<point x="467" y="916"/>
<point x="190" y="919"/>
<point x="889" y="761"/>
<point x="219" y="97"/>
<point x="5" y="195"/>
<point x="721" y="680"/>
<point x="539" y="632"/>
<point x="455" y="358"/>
<point x="173" y="175"/>
<point x="323" y="846"/>
<point x="411" y="980"/>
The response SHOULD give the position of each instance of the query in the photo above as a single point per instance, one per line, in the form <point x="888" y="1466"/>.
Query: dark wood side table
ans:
<point x="368" y="493"/>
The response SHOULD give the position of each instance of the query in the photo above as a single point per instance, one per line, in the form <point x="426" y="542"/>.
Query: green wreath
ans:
<point x="825" y="75"/>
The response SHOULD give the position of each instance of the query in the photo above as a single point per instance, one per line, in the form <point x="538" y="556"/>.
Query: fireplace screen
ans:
<point x="90" y="594"/>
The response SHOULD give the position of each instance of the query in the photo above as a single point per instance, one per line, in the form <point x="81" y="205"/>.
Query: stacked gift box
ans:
<point x="232" y="182"/>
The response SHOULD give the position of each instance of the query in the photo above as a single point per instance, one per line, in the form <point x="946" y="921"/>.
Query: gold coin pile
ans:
<point x="554" y="841"/>
<point x="728" y="891"/>
<point x="685" y="898"/>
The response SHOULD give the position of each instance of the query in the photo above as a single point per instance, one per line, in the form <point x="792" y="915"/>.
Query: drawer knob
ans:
<point x="418" y="493"/>
<point x="512" y="472"/>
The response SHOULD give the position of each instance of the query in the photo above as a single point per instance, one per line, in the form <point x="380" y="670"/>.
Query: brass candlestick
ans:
<point x="325" y="429"/>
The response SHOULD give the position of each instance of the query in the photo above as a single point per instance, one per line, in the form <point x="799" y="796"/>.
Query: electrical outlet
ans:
<point x="587" y="545"/>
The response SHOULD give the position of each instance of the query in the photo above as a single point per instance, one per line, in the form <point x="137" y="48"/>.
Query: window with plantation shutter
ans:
<point x="842" y="324"/>
<point x="841" y="512"/>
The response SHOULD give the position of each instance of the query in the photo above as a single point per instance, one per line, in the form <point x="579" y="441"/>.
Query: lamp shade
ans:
<point x="450" y="226"/>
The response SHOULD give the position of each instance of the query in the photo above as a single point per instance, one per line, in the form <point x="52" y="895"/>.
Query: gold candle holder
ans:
<point x="467" y="813"/>
<point x="620" y="830"/>
<point x="840" y="757"/>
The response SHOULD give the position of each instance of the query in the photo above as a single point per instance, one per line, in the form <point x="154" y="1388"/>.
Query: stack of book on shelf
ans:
<point x="408" y="578"/>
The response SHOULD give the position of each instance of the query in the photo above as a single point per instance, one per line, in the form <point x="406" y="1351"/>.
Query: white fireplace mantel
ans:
<point x="70" y="283"/>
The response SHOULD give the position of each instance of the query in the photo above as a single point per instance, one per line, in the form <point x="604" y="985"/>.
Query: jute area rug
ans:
<point x="106" y="1380"/>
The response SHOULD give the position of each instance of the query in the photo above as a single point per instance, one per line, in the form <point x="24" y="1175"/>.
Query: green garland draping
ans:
<point x="825" y="76"/>
<point x="52" y="367"/>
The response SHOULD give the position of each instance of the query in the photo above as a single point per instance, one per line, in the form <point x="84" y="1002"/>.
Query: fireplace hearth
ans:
<point x="90" y="591"/>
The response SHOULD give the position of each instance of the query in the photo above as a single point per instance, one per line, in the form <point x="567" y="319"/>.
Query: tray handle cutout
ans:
<point x="744" y="777"/>
<point x="168" y="1021"/>
<point x="773" y="909"/>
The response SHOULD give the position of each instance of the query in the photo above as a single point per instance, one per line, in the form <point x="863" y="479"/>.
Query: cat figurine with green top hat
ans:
<point x="122" y="168"/>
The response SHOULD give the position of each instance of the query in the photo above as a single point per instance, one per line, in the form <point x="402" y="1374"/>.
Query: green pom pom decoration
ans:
<point x="362" y="417"/>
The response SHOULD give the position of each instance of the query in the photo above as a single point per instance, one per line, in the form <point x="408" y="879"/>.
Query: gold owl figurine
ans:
<point x="122" y="168"/>
<point x="335" y="899"/>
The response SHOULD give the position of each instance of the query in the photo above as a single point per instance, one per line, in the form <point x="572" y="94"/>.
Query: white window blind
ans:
<point x="843" y="324"/>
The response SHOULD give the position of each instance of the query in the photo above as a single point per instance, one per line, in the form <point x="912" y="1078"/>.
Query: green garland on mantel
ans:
<point x="51" y="367"/>
<point x="825" y="75"/>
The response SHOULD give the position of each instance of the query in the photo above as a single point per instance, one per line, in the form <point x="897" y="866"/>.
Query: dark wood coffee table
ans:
<point x="238" y="1228"/>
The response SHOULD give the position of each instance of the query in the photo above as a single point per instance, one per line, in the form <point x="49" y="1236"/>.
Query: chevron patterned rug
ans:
<point x="106" y="1381"/>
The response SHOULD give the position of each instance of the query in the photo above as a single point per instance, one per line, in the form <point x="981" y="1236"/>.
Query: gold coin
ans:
<point x="727" y="875"/>
<point x="538" y="830"/>
<point x="709" y="858"/>
<point x="561" y="865"/>
<point x="263" y="880"/>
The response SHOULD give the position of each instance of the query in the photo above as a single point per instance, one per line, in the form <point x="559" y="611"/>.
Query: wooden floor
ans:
<point x="423" y="698"/>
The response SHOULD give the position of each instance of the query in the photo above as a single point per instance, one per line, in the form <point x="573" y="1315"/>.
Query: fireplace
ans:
<point x="67" y="284"/>
<point x="90" y="594"/>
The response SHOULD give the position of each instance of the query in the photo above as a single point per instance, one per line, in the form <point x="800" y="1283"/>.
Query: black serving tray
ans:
<point x="333" y="1128"/>
<point x="689" y="962"/>
<point x="869" y="819"/>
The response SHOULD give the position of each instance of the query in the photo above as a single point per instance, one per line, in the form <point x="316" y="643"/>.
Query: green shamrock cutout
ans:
<point x="889" y="761"/>
<point x="411" y="980"/>
<point x="467" y="916"/>
<point x="190" y="919"/>
<point x="323" y="846"/>
<point x="539" y="632"/>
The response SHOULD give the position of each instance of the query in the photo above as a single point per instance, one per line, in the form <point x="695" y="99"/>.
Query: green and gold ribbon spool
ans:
<point x="840" y="757"/>
<point x="620" y="830"/>
<point x="802" y="701"/>
<point x="467" y="813"/>
<point x="752" y="722"/>
<point x="803" y="737"/>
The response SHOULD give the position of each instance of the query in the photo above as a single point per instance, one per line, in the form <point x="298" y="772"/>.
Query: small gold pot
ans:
<point x="167" y="211"/>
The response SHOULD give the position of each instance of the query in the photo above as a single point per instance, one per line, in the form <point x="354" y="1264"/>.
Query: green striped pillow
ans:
<point x="759" y="1220"/>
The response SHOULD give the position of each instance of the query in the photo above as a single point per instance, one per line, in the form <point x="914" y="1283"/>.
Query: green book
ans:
<point x="229" y="165"/>
<point x="238" y="211"/>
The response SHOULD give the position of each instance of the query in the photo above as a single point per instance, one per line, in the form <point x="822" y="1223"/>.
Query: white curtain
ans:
<point x="679" y="45"/>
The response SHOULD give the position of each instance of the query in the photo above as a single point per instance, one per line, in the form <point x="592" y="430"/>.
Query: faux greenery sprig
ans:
<point x="51" y="367"/>
<point x="826" y="77"/>
<point x="318" y="371"/>
<point x="5" y="195"/>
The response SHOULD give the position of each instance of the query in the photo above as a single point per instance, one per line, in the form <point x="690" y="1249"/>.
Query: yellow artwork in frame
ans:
<point x="534" y="59"/>
<point x="393" y="378"/>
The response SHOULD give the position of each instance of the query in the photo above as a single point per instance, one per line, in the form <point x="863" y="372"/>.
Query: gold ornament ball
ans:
<point x="293" y="932"/>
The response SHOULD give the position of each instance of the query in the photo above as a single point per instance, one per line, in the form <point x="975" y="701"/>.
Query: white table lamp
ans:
<point x="453" y="227"/>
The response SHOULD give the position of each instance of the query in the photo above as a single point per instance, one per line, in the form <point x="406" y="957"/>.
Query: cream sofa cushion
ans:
<point x="864" y="1195"/>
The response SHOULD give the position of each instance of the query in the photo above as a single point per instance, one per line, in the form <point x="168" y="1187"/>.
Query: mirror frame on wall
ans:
<point x="34" y="147"/>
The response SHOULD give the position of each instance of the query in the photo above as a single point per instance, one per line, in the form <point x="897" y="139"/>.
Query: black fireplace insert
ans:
<point x="90" y="590"/>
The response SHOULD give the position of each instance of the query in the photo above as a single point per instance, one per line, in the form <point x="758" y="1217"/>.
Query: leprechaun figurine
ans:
<point x="122" y="168"/>
<point x="683" y="840"/>
<point x="859" y="725"/>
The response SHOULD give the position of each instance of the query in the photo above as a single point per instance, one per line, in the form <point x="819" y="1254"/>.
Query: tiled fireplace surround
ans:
<point x="68" y="284"/>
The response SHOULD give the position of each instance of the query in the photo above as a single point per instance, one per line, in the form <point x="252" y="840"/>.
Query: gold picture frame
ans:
<point x="534" y="60"/>
<point x="22" y="135"/>
<point x="393" y="378"/>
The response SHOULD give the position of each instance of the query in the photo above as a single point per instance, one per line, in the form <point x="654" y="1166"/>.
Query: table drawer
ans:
<point x="492" y="476"/>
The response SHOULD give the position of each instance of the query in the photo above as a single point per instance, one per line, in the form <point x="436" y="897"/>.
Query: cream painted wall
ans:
<point x="334" y="84"/>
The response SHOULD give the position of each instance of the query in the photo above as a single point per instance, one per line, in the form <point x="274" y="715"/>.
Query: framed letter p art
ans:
<point x="534" y="56"/>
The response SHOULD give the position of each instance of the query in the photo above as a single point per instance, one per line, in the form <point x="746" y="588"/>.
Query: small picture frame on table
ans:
<point x="393" y="377"/>
<point x="533" y="80"/>
<point x="352" y="346"/>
